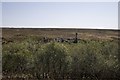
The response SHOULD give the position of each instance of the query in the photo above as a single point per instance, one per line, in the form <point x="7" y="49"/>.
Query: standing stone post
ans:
<point x="76" y="39"/>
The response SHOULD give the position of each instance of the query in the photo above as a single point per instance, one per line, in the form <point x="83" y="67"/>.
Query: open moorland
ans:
<point x="60" y="54"/>
<point x="22" y="33"/>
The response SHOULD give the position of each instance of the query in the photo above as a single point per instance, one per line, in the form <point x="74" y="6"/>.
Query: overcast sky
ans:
<point x="61" y="14"/>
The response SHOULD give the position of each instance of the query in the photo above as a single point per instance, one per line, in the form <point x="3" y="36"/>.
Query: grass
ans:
<point x="89" y="59"/>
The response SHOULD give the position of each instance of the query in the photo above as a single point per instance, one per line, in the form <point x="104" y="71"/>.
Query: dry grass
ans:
<point x="19" y="34"/>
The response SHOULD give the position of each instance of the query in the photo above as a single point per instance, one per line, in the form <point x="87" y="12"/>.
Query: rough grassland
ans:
<point x="35" y="54"/>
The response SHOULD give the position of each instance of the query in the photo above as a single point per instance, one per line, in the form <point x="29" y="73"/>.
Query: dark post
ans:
<point x="76" y="40"/>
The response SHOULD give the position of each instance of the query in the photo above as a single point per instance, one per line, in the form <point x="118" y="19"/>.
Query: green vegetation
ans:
<point x="85" y="60"/>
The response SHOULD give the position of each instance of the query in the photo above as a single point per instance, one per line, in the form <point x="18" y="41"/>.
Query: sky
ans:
<point x="119" y="15"/>
<point x="0" y="14"/>
<point x="59" y="0"/>
<point x="61" y="14"/>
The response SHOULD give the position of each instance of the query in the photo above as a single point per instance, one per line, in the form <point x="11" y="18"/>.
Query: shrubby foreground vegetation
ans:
<point x="90" y="60"/>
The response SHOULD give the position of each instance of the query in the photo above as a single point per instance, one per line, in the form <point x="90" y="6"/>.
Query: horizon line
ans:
<point x="73" y="27"/>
